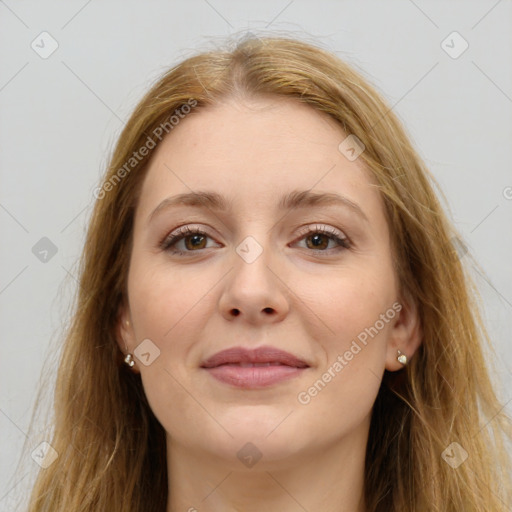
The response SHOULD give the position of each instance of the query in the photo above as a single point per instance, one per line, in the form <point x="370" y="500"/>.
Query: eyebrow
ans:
<point x="293" y="200"/>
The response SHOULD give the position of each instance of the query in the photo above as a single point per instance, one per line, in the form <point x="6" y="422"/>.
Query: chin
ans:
<point x="275" y="438"/>
<point x="252" y="451"/>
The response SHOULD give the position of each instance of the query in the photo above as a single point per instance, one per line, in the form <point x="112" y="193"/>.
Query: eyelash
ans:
<point x="181" y="233"/>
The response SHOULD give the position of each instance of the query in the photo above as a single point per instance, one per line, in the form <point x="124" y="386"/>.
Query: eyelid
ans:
<point x="321" y="228"/>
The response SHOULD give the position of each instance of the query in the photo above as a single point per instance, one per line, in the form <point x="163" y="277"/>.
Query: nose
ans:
<point x="255" y="291"/>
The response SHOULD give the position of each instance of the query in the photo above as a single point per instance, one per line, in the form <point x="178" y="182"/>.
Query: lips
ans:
<point x="254" y="369"/>
<point x="261" y="356"/>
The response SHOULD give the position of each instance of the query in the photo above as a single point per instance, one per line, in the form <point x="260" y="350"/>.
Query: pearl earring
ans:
<point x="402" y="358"/>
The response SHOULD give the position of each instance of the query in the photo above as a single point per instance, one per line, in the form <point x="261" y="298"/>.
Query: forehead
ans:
<point x="253" y="152"/>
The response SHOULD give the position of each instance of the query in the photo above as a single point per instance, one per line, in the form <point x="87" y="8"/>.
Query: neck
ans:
<point x="330" y="478"/>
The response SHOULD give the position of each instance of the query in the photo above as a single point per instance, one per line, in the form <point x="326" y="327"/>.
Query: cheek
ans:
<point x="350" y="300"/>
<point x="162" y="300"/>
<point x="357" y="309"/>
<point x="344" y="387"/>
<point x="342" y="398"/>
<point x="165" y="306"/>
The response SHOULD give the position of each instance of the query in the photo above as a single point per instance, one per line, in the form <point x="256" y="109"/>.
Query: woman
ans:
<point x="271" y="313"/>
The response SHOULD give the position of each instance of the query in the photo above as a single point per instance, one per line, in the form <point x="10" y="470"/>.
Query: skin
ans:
<point x="291" y="297"/>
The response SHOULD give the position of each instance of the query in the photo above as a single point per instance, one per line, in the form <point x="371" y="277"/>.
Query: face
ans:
<point x="315" y="280"/>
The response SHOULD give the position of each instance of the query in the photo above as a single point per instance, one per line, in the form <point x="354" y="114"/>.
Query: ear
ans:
<point x="125" y="335"/>
<point x="406" y="333"/>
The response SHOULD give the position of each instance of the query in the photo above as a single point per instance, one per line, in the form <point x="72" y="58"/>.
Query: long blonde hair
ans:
<point x="111" y="449"/>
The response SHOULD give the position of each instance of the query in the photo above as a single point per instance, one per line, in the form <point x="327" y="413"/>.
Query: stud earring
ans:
<point x="129" y="360"/>
<point x="402" y="358"/>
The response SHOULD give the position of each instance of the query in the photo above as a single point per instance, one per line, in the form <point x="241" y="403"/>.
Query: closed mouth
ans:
<point x="258" y="357"/>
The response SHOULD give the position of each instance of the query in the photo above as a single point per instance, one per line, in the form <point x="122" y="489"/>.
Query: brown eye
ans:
<point x="318" y="239"/>
<point x="193" y="239"/>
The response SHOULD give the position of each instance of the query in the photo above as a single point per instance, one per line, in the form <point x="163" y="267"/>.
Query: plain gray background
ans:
<point x="60" y="116"/>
